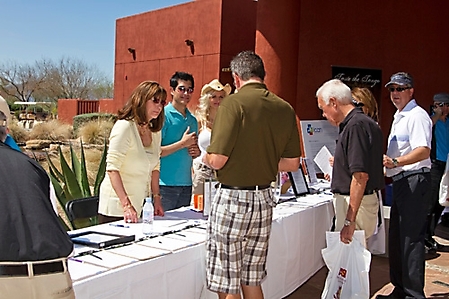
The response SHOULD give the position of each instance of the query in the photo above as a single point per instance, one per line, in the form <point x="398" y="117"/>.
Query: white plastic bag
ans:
<point x="348" y="266"/>
<point x="444" y="186"/>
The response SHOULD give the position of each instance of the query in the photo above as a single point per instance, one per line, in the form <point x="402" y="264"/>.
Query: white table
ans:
<point x="297" y="237"/>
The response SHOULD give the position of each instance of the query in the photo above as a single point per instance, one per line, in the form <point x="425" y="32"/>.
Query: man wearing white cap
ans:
<point x="407" y="162"/>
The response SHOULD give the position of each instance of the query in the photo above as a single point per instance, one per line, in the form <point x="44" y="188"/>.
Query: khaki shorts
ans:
<point x="366" y="216"/>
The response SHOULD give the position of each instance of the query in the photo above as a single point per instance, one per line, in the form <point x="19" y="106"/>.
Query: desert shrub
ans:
<point x="95" y="131"/>
<point x="51" y="130"/>
<point x="17" y="132"/>
<point x="81" y="119"/>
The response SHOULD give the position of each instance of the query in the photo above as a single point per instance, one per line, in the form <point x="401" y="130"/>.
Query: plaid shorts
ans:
<point x="237" y="242"/>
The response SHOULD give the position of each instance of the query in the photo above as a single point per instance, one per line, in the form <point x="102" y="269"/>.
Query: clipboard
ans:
<point x="100" y="239"/>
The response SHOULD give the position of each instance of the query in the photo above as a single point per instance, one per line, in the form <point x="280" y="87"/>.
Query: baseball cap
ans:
<point x="401" y="78"/>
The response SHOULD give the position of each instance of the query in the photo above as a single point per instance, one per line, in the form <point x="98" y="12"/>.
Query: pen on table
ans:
<point x="98" y="257"/>
<point x="118" y="225"/>
<point x="76" y="260"/>
<point x="175" y="224"/>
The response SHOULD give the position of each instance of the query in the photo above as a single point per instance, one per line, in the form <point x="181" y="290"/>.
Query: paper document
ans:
<point x="106" y="259"/>
<point x="167" y="243"/>
<point x="79" y="269"/>
<point x="138" y="251"/>
<point x="322" y="160"/>
<point x="188" y="236"/>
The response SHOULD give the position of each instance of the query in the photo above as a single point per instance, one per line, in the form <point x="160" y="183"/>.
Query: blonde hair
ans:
<point x="202" y="112"/>
<point x="365" y="96"/>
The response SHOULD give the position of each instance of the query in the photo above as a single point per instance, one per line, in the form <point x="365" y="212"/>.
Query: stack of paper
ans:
<point x="139" y="252"/>
<point x="79" y="269"/>
<point x="106" y="259"/>
<point x="165" y="243"/>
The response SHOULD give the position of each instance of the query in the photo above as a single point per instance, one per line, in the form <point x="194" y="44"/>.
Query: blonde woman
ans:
<point x="133" y="158"/>
<point x="212" y="94"/>
<point x="365" y="96"/>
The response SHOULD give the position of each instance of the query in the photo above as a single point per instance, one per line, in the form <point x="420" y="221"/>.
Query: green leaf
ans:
<point x="58" y="174"/>
<point x="83" y="176"/>
<point x="76" y="166"/>
<point x="71" y="184"/>
<point x="58" y="189"/>
<point x="101" y="170"/>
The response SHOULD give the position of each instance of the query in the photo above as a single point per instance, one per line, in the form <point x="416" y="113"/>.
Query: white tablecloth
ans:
<point x="297" y="237"/>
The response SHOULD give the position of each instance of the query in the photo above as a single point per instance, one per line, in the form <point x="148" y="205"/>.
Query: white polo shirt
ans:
<point x="411" y="128"/>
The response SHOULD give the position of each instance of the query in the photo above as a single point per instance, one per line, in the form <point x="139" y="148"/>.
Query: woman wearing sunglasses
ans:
<point x="133" y="156"/>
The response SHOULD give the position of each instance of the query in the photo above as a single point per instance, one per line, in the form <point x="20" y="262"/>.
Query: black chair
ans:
<point x="82" y="209"/>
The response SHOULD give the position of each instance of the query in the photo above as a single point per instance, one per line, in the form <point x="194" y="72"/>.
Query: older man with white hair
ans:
<point x="357" y="170"/>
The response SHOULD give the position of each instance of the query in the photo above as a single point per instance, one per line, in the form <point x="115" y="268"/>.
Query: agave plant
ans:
<point x="71" y="182"/>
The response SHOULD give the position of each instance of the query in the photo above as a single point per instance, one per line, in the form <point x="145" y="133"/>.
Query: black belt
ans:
<point x="439" y="163"/>
<point x="38" y="269"/>
<point x="405" y="174"/>
<point x="367" y="192"/>
<point x="260" y="187"/>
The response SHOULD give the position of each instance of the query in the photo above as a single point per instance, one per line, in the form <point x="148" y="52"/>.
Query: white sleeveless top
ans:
<point x="203" y="143"/>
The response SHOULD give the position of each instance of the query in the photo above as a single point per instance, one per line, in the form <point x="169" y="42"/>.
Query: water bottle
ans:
<point x="148" y="216"/>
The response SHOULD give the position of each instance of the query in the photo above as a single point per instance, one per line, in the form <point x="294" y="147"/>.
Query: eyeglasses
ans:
<point x="183" y="89"/>
<point x="157" y="101"/>
<point x="441" y="104"/>
<point x="398" y="89"/>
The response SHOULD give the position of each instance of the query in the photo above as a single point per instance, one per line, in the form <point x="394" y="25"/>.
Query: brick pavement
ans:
<point x="437" y="274"/>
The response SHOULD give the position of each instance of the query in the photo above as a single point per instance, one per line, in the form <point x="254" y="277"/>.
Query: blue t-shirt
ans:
<point x="442" y="139"/>
<point x="176" y="169"/>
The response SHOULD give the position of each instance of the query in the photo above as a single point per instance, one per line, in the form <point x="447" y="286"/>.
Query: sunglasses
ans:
<point x="398" y="89"/>
<point x="441" y="104"/>
<point x="157" y="101"/>
<point x="183" y="89"/>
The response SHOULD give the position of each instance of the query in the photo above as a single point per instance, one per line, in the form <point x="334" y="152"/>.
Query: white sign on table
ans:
<point x="315" y="135"/>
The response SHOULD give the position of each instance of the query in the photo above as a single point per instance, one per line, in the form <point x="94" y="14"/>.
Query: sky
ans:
<point x="79" y="29"/>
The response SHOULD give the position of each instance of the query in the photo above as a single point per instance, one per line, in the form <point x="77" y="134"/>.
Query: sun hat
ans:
<point x="217" y="86"/>
<point x="5" y="109"/>
<point x="401" y="78"/>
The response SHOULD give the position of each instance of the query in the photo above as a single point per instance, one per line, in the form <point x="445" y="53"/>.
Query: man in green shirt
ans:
<point x="255" y="135"/>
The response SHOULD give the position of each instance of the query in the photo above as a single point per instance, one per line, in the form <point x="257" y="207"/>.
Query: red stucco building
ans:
<point x="299" y="40"/>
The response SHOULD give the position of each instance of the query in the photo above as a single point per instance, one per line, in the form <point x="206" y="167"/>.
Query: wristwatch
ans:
<point x="347" y="222"/>
<point x="395" y="162"/>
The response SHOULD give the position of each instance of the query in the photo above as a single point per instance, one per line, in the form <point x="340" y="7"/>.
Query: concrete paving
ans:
<point x="436" y="276"/>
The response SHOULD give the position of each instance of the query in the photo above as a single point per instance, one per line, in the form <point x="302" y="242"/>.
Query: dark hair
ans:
<point x="135" y="107"/>
<point x="247" y="65"/>
<point x="181" y="76"/>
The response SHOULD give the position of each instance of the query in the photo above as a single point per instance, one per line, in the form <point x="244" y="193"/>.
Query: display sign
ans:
<point x="315" y="134"/>
<point x="360" y="77"/>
